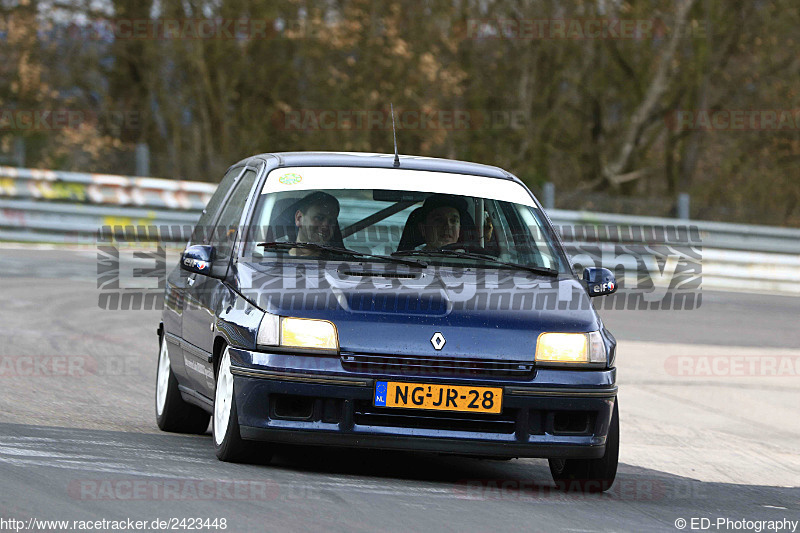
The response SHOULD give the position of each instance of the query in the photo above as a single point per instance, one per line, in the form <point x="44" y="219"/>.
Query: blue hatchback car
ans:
<point x="375" y="301"/>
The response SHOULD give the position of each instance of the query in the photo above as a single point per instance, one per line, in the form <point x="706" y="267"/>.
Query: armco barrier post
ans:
<point x="142" y="160"/>
<point x="549" y="195"/>
<point x="19" y="152"/>
<point x="683" y="206"/>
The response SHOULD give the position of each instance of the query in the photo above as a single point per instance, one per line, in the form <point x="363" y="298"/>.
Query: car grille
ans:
<point x="436" y="366"/>
<point x="367" y="415"/>
<point x="406" y="304"/>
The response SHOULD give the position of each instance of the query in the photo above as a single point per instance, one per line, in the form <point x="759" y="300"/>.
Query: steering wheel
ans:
<point x="470" y="248"/>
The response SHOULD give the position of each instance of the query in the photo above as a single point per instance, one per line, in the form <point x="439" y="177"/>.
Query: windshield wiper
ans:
<point x="482" y="257"/>
<point x="336" y="249"/>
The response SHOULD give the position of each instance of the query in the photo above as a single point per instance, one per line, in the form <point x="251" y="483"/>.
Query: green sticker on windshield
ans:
<point x="290" y="179"/>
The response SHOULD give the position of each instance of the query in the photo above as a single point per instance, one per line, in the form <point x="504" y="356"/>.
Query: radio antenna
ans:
<point x="394" y="134"/>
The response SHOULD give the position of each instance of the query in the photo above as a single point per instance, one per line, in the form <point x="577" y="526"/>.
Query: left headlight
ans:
<point x="579" y="348"/>
<point x="293" y="332"/>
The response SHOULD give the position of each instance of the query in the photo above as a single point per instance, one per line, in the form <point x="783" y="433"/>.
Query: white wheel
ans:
<point x="162" y="379"/>
<point x="172" y="412"/>
<point x="223" y="399"/>
<point x="228" y="443"/>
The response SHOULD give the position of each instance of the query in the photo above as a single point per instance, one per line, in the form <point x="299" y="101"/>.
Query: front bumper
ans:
<point x="556" y="413"/>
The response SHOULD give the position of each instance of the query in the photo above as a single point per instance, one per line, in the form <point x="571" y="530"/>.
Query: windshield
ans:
<point x="406" y="216"/>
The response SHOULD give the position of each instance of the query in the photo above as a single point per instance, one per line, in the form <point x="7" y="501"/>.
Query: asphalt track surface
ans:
<point x="702" y="442"/>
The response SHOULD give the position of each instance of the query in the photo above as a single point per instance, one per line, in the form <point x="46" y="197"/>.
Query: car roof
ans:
<point x="374" y="160"/>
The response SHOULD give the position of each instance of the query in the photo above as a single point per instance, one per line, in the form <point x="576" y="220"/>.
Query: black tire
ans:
<point x="590" y="475"/>
<point x="232" y="448"/>
<point x="177" y="416"/>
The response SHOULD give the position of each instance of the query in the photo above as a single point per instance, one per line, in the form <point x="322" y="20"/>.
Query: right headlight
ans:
<point x="570" y="348"/>
<point x="293" y="332"/>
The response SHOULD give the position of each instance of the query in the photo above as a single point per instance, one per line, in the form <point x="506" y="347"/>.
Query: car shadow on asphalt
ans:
<point x="61" y="464"/>
<point x="529" y="479"/>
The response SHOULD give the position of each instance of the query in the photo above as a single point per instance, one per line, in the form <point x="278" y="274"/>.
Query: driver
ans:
<point x="316" y="220"/>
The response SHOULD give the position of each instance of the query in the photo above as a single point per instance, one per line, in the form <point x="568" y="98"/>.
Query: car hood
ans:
<point x="481" y="313"/>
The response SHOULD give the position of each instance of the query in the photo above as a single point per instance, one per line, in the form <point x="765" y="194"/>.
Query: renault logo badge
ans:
<point x="438" y="341"/>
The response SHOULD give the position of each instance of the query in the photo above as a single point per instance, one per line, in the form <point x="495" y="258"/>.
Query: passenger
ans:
<point x="317" y="221"/>
<point x="442" y="216"/>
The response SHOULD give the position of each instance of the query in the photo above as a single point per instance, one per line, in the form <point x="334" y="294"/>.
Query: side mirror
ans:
<point x="599" y="281"/>
<point x="198" y="259"/>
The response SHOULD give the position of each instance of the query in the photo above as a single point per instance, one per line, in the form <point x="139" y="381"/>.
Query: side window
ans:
<point x="228" y="225"/>
<point x="528" y="234"/>
<point x="202" y="231"/>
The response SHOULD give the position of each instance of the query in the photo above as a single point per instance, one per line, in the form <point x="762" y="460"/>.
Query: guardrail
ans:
<point x="105" y="189"/>
<point x="721" y="235"/>
<point x="56" y="206"/>
<point x="68" y="207"/>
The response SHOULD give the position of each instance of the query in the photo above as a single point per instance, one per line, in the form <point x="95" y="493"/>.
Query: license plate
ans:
<point x="438" y="397"/>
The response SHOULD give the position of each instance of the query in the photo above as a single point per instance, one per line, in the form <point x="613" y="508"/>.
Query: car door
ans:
<point x="205" y="295"/>
<point x="179" y="281"/>
<point x="172" y="318"/>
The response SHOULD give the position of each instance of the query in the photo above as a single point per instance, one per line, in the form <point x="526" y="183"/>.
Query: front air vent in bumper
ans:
<point x="436" y="366"/>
